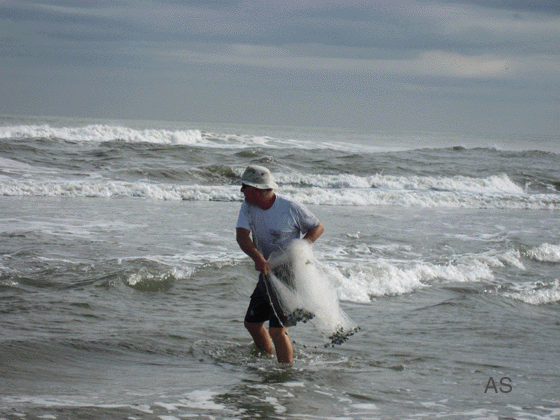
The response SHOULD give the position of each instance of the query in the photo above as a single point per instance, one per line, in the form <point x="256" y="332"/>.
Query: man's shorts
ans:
<point x="264" y="307"/>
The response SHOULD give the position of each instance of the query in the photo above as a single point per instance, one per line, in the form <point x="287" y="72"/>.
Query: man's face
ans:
<point x="252" y="194"/>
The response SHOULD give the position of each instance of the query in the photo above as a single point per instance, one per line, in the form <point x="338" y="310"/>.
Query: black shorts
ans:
<point x="264" y="307"/>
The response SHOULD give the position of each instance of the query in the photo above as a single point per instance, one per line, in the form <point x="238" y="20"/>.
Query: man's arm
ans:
<point x="249" y="248"/>
<point x="313" y="234"/>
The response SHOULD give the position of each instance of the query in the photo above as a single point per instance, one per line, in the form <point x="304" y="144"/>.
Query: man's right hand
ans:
<point x="262" y="265"/>
<point x="248" y="247"/>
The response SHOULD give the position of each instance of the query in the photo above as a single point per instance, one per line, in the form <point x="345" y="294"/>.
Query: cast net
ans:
<point x="304" y="292"/>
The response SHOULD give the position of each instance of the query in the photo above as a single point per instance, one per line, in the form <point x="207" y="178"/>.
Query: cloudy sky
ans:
<point x="490" y="66"/>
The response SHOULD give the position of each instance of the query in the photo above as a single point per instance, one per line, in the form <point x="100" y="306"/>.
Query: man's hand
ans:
<point x="248" y="247"/>
<point x="262" y="265"/>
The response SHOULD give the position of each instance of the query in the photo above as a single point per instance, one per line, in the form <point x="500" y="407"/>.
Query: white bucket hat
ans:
<point x="258" y="177"/>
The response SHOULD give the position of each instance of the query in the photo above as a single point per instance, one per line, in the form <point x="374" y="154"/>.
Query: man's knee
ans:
<point x="278" y="333"/>
<point x="253" y="326"/>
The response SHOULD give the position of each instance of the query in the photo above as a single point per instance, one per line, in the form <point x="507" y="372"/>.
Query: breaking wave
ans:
<point x="496" y="193"/>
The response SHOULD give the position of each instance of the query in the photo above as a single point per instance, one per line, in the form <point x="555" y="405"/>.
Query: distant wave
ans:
<point x="380" y="142"/>
<point x="100" y="133"/>
<point x="107" y="133"/>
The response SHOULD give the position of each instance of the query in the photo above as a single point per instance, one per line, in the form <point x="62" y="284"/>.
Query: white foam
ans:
<point x="366" y="277"/>
<point x="538" y="293"/>
<point x="198" y="400"/>
<point x="425" y="199"/>
<point x="69" y="401"/>
<point x="497" y="191"/>
<point x="294" y="384"/>
<point x="365" y="406"/>
<point x="201" y="399"/>
<point x="545" y="253"/>
<point x="115" y="189"/>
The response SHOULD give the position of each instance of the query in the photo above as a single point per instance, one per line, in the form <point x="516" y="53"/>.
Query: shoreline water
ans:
<point x="129" y="304"/>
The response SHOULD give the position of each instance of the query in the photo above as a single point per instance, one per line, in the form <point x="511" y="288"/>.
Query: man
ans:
<point x="275" y="221"/>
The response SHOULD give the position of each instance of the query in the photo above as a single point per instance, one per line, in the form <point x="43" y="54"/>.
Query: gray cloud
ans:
<point x="310" y="62"/>
<point x="542" y="6"/>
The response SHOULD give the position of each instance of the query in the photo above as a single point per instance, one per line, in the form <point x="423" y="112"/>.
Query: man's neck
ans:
<point x="267" y="201"/>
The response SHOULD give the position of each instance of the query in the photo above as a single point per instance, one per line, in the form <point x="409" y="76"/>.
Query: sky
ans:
<point x="478" y="66"/>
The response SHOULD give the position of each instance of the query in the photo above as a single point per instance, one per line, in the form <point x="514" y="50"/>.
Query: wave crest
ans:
<point x="307" y="195"/>
<point x="495" y="184"/>
<point x="545" y="253"/>
<point x="102" y="133"/>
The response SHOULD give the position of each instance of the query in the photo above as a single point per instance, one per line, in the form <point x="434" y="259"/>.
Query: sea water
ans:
<point x="123" y="291"/>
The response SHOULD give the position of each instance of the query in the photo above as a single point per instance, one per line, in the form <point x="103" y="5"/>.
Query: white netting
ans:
<point x="305" y="293"/>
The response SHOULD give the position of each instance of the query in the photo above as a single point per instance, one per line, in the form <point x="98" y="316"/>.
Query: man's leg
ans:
<point x="260" y="336"/>
<point x="283" y="344"/>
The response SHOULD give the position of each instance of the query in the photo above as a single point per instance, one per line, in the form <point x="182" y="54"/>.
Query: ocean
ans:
<point x="123" y="290"/>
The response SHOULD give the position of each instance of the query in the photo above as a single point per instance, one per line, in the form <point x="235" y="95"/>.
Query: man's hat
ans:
<point x="258" y="177"/>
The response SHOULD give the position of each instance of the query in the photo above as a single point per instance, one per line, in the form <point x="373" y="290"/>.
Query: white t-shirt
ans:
<point x="276" y="227"/>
